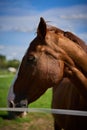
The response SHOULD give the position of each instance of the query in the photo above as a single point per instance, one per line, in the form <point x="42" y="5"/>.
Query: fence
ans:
<point x="45" y="110"/>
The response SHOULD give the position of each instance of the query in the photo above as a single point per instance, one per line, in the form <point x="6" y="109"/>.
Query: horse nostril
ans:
<point x="22" y="104"/>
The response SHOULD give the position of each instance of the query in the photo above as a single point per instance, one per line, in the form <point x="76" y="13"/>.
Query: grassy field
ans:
<point x="33" y="121"/>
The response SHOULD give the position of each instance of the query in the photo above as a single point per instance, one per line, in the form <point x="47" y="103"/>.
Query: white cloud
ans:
<point x="21" y="23"/>
<point x="73" y="19"/>
<point x="2" y="47"/>
<point x="83" y="36"/>
<point x="74" y="16"/>
<point x="13" y="51"/>
<point x="58" y="16"/>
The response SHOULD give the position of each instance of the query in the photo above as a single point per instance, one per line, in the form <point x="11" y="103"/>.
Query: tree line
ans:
<point x="4" y="63"/>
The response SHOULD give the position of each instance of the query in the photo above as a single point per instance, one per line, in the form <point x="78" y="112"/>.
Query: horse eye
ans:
<point x="31" y="59"/>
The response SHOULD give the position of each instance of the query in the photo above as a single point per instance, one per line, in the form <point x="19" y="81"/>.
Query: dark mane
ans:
<point x="69" y="35"/>
<point x="76" y="39"/>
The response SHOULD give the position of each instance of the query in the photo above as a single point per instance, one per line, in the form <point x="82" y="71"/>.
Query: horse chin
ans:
<point x="20" y="114"/>
<point x="23" y="114"/>
<point x="13" y="115"/>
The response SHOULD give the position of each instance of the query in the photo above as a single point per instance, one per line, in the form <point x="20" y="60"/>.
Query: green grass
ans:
<point x="4" y="87"/>
<point x="4" y="72"/>
<point x="32" y="120"/>
<point x="44" y="101"/>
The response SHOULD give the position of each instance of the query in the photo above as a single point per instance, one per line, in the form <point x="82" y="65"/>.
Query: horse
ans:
<point x="56" y="59"/>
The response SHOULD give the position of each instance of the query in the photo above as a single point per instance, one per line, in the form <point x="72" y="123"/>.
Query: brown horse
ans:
<point x="54" y="59"/>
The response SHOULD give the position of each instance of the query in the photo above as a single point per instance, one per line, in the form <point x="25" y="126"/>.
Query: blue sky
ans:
<point x="19" y="20"/>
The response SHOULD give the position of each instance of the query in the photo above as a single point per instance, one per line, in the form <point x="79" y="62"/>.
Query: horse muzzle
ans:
<point x="22" y="104"/>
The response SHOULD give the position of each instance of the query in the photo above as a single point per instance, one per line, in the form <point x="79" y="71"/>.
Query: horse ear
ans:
<point x="41" y="30"/>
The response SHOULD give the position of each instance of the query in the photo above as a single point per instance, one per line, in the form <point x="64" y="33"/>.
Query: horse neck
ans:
<point x="76" y="39"/>
<point x="75" y="51"/>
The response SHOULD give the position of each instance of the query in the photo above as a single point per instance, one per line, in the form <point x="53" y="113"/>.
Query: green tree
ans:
<point x="13" y="63"/>
<point x="3" y="61"/>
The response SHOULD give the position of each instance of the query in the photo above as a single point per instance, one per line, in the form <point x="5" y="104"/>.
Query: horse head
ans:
<point x="43" y="64"/>
<point x="38" y="71"/>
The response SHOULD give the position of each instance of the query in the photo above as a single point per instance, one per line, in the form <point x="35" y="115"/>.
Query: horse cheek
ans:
<point x="59" y="70"/>
<point x="55" y="71"/>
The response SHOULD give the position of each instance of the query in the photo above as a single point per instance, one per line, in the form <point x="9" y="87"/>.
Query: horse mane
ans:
<point x="76" y="39"/>
<point x="69" y="35"/>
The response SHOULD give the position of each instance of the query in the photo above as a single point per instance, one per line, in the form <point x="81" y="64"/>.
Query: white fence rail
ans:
<point x="46" y="110"/>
